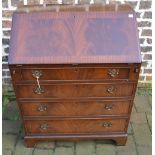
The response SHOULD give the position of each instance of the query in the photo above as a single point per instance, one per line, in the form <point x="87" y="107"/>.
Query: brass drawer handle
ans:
<point x="113" y="72"/>
<point x="111" y="89"/>
<point x="44" y="126"/>
<point x="38" y="90"/>
<point x="37" y="74"/>
<point x="108" y="107"/>
<point x="42" y="108"/>
<point x="107" y="124"/>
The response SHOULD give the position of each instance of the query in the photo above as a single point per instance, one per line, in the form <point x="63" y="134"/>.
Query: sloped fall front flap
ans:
<point x="74" y="37"/>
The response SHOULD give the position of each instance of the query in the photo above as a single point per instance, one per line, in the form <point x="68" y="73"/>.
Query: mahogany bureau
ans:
<point x="75" y="72"/>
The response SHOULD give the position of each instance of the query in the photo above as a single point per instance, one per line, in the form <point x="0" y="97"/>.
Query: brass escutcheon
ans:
<point x="37" y="74"/>
<point x="44" y="126"/>
<point x="111" y="89"/>
<point x="107" y="124"/>
<point x="42" y="108"/>
<point x="108" y="106"/>
<point x="113" y="72"/>
<point x="38" y="90"/>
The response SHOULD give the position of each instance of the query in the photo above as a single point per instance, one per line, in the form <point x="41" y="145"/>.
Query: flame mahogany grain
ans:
<point x="87" y="82"/>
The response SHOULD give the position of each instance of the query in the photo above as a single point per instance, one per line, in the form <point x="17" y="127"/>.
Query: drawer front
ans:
<point x="75" y="126"/>
<point x="75" y="73"/>
<point x="83" y="108"/>
<point x="74" y="90"/>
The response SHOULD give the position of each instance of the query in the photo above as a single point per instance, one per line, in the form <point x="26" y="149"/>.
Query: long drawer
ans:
<point x="76" y="73"/>
<point x="75" y="108"/>
<point x="71" y="73"/>
<point x="75" y="126"/>
<point x="68" y="90"/>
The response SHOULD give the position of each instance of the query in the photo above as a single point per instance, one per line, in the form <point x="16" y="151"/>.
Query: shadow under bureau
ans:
<point x="75" y="72"/>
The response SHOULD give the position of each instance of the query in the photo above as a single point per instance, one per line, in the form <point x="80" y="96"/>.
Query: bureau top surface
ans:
<point x="66" y="37"/>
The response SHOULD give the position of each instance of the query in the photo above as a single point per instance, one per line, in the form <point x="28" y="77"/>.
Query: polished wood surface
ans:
<point x="119" y="138"/>
<point x="77" y="37"/>
<point x="75" y="108"/>
<point x="75" y="90"/>
<point x="76" y="73"/>
<point x="71" y="109"/>
<point x="75" y="126"/>
<point x="84" y="88"/>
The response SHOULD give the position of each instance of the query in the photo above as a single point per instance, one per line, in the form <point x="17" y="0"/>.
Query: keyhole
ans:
<point x="75" y="69"/>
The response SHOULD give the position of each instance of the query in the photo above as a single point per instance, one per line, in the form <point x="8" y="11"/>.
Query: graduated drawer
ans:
<point x="71" y="73"/>
<point x="74" y="108"/>
<point x="74" y="90"/>
<point x="75" y="126"/>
